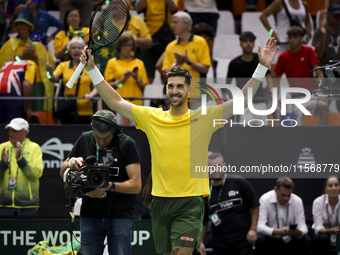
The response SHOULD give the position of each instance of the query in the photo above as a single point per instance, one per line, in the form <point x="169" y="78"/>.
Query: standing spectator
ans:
<point x="71" y="29"/>
<point x="242" y="68"/>
<point x="296" y="63"/>
<point x="298" y="10"/>
<point x="154" y="16"/>
<point x="22" y="48"/>
<point x="126" y="74"/>
<point x="326" y="217"/>
<point x="233" y="209"/>
<point x="323" y="13"/>
<point x="84" y="6"/>
<point x="279" y="209"/>
<point x="107" y="212"/>
<point x="41" y="19"/>
<point x="20" y="169"/>
<point x="327" y="37"/>
<point x="202" y="11"/>
<point x="66" y="69"/>
<point x="190" y="51"/>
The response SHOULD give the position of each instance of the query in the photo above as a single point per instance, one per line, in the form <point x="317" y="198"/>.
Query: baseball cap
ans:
<point x="247" y="34"/>
<point x="18" y="124"/>
<point x="334" y="9"/>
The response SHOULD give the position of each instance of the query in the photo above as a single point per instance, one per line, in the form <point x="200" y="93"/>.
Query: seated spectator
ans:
<point x="85" y="8"/>
<point x="22" y="48"/>
<point x="41" y="19"/>
<point x="157" y="16"/>
<point x="71" y="29"/>
<point x="125" y="73"/>
<point x="326" y="218"/>
<point x="86" y="89"/>
<point x="233" y="209"/>
<point x="326" y="39"/>
<point x="207" y="32"/>
<point x="16" y="80"/>
<point x="242" y="68"/>
<point x="202" y="11"/>
<point x="279" y="210"/>
<point x="190" y="51"/>
<point x="296" y="63"/>
<point x="298" y="11"/>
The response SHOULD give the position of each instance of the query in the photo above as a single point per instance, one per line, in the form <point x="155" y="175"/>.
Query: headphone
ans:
<point x="115" y="126"/>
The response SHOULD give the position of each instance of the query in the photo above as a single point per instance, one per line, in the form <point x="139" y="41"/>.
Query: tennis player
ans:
<point x="179" y="140"/>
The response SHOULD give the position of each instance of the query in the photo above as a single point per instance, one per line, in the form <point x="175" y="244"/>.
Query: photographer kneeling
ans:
<point x="106" y="211"/>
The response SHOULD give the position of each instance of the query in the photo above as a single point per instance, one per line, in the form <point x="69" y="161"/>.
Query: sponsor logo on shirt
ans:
<point x="233" y="193"/>
<point x="187" y="238"/>
<point x="228" y="204"/>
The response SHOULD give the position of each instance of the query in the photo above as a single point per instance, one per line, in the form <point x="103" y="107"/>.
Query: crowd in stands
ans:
<point x="173" y="32"/>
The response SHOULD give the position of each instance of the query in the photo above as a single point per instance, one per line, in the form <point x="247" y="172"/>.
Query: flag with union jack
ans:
<point x="11" y="77"/>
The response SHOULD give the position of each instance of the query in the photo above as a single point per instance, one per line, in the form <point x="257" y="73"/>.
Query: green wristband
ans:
<point x="271" y="31"/>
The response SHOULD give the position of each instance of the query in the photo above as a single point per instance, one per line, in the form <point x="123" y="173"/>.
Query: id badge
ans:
<point x="215" y="219"/>
<point x="333" y="239"/>
<point x="286" y="239"/>
<point x="12" y="182"/>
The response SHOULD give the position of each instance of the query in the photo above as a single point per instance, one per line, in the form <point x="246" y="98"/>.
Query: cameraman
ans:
<point x="108" y="215"/>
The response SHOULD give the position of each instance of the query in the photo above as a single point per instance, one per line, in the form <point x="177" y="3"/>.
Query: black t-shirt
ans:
<point x="114" y="205"/>
<point x="237" y="199"/>
<point x="242" y="71"/>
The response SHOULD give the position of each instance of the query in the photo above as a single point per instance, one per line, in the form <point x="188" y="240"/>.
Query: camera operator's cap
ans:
<point x="26" y="18"/>
<point x="18" y="124"/>
<point x="334" y="9"/>
<point x="247" y="35"/>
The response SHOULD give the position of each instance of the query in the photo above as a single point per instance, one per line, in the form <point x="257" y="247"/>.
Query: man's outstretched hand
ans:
<point x="268" y="53"/>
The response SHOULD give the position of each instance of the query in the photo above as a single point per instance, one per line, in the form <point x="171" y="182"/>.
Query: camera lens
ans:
<point x="97" y="179"/>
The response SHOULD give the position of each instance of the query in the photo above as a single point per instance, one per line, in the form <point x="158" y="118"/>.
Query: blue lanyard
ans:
<point x="277" y="215"/>
<point x="337" y="215"/>
<point x="10" y="157"/>
<point x="219" y="195"/>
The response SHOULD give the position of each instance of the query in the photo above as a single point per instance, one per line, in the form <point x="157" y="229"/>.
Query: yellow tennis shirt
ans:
<point x="178" y="145"/>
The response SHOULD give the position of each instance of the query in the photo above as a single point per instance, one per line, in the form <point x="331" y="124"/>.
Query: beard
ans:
<point x="181" y="100"/>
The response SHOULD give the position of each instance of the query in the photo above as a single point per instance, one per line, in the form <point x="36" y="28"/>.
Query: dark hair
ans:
<point x="247" y="35"/>
<point x="124" y="38"/>
<point x="66" y="26"/>
<point x="284" y="182"/>
<point x="295" y="30"/>
<point x="331" y="177"/>
<point x="204" y="29"/>
<point x="101" y="126"/>
<point x="215" y="155"/>
<point x="181" y="72"/>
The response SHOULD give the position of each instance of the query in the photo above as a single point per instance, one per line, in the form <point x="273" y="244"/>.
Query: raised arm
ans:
<point x="266" y="57"/>
<point x="109" y="95"/>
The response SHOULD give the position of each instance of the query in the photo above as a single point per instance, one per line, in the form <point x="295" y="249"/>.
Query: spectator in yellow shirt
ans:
<point x="125" y="73"/>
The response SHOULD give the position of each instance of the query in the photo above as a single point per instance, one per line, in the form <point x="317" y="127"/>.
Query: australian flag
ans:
<point x="11" y="76"/>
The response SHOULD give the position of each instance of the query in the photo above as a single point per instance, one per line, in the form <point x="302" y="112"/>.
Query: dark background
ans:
<point x="239" y="145"/>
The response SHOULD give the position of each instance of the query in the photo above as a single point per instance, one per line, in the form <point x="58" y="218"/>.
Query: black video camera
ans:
<point x="90" y="176"/>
